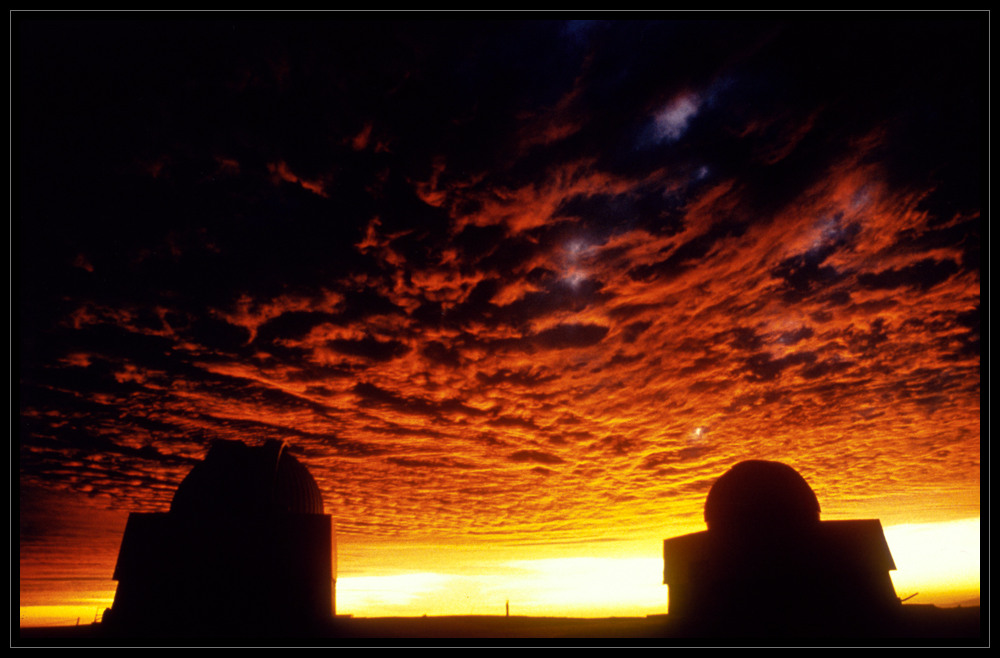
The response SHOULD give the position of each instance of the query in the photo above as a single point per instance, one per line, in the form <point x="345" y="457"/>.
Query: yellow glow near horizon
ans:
<point x="940" y="562"/>
<point x="597" y="587"/>
<point x="372" y="592"/>
<point x="573" y="587"/>
<point x="64" y="615"/>
<point x="58" y="602"/>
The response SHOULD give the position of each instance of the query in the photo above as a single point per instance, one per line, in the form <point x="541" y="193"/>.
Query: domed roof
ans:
<point x="235" y="478"/>
<point x="755" y="494"/>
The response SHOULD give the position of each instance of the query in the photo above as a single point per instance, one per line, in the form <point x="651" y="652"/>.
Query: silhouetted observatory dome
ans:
<point x="767" y="566"/>
<point x="244" y="550"/>
<point x="755" y="494"/>
<point x="237" y="479"/>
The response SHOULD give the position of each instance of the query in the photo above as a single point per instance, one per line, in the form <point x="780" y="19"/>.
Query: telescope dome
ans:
<point x="756" y="494"/>
<point x="237" y="479"/>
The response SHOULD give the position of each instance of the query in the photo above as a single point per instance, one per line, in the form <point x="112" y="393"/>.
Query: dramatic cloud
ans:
<point x="530" y="280"/>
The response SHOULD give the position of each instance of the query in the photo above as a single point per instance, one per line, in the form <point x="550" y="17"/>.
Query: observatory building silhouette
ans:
<point x="245" y="548"/>
<point x="768" y="566"/>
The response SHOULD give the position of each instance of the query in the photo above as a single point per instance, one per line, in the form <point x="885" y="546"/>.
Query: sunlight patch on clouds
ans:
<point x="672" y="121"/>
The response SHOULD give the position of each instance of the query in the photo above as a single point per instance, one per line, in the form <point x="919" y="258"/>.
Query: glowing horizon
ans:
<point x="937" y="563"/>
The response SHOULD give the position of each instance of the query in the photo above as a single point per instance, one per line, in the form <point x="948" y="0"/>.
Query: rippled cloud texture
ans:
<point x="503" y="281"/>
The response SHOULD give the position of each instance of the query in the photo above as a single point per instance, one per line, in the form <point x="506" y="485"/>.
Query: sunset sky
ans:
<point x="516" y="291"/>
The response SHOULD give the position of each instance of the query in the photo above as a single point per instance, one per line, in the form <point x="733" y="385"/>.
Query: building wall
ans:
<point x="270" y="571"/>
